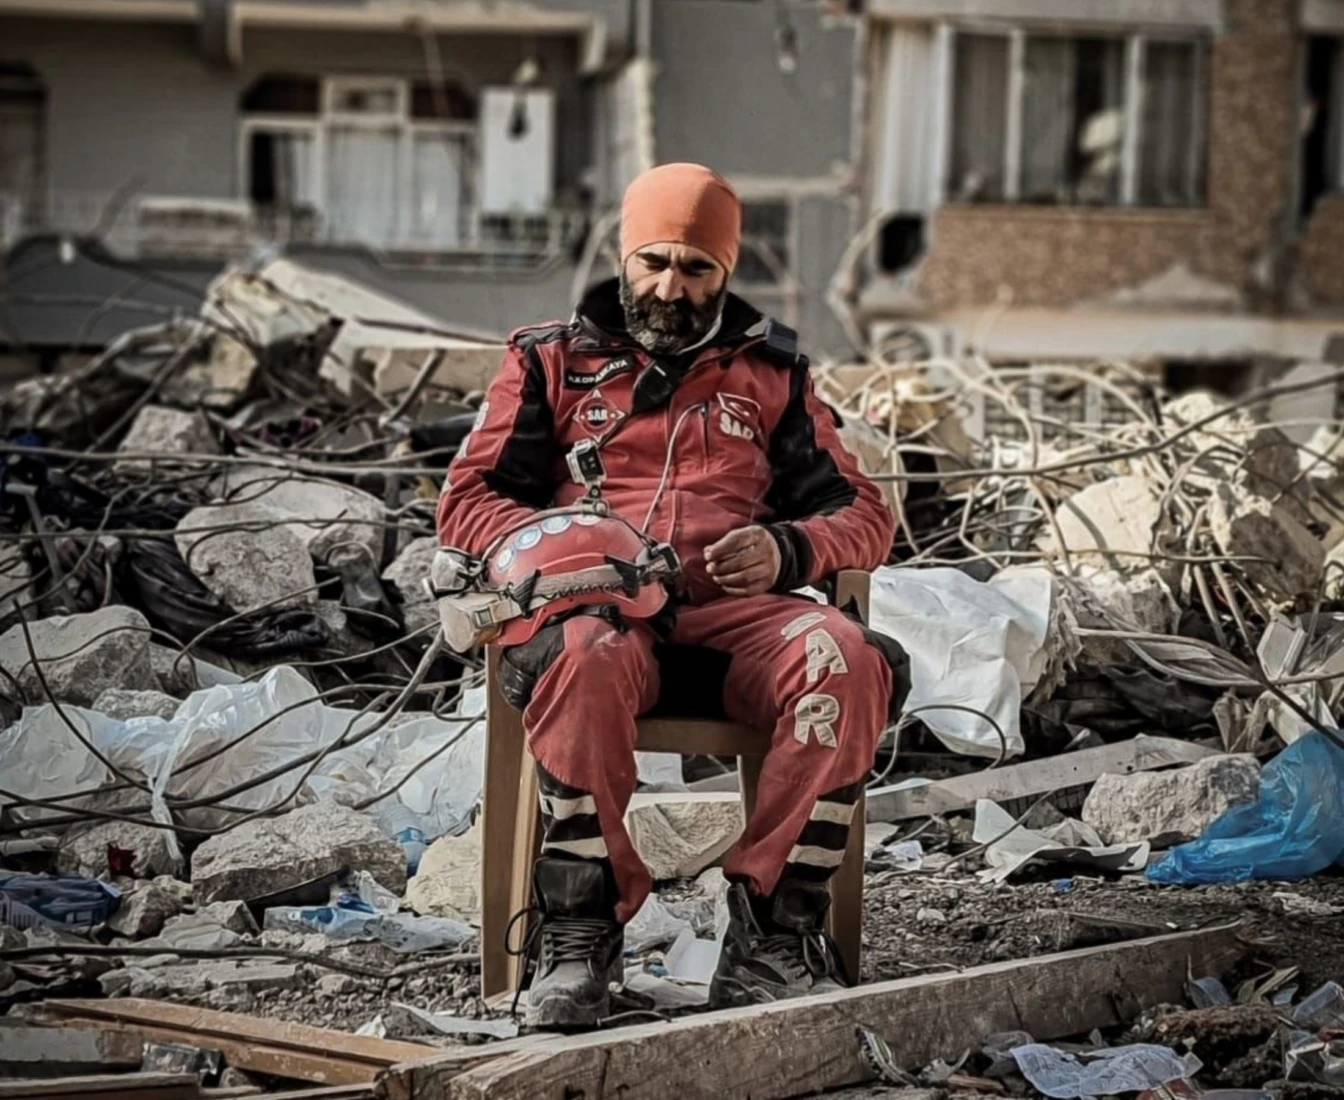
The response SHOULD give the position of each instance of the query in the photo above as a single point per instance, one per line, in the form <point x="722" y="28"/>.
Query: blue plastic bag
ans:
<point x="70" y="902"/>
<point x="1295" y="829"/>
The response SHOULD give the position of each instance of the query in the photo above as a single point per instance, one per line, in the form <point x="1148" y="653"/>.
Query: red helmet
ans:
<point x="574" y="557"/>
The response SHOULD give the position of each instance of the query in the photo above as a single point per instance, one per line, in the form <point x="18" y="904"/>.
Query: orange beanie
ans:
<point x="682" y="204"/>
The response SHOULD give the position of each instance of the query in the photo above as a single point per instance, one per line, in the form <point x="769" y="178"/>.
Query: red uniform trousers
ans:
<point x="797" y="668"/>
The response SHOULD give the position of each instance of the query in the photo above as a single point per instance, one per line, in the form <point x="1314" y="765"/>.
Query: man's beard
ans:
<point x="665" y="328"/>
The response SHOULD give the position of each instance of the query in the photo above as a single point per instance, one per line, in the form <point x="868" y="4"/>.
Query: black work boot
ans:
<point x="775" y="947"/>
<point x="580" y="944"/>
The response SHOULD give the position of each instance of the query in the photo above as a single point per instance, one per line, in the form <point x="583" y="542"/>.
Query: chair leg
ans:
<point x="846" y="916"/>
<point x="526" y="848"/>
<point x="504" y="754"/>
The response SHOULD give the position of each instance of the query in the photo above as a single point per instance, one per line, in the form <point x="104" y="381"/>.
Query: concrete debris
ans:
<point x="1280" y="556"/>
<point x="81" y="655"/>
<point x="232" y="916"/>
<point x="86" y="852"/>
<point x="180" y="674"/>
<point x="1114" y="523"/>
<point x="145" y="910"/>
<point x="123" y="704"/>
<point x="161" y="431"/>
<point x="195" y="932"/>
<point x="1111" y="600"/>
<point x="448" y="882"/>
<point x="406" y="575"/>
<point x="334" y="515"/>
<point x="268" y="855"/>
<point x="219" y="381"/>
<point x="1170" y="807"/>
<point x="246" y="557"/>
<point x="679" y="835"/>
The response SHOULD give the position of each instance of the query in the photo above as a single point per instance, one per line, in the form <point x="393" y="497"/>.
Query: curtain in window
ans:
<point x="362" y="195"/>
<point x="1170" y="160"/>
<point x="1072" y="119"/>
<point x="980" y="117"/>
<point x="438" y="176"/>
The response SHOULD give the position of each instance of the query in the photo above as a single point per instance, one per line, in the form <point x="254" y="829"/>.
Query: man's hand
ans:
<point x="744" y="562"/>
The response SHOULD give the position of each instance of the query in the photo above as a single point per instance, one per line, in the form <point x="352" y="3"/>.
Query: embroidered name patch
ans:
<point x="574" y="380"/>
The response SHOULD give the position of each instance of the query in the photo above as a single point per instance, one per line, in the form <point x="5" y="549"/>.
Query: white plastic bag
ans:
<point x="970" y="644"/>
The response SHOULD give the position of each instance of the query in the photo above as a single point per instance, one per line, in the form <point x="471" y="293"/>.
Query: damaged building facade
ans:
<point x="465" y="157"/>
<point x="1065" y="181"/>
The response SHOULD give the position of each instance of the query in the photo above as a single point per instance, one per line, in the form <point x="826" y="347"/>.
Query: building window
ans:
<point x="1058" y="119"/>
<point x="380" y="162"/>
<point x="22" y="148"/>
<point x="1322" y="149"/>
<point x="766" y="256"/>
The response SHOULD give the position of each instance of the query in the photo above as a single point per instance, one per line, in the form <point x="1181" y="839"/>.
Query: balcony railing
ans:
<point x="190" y="228"/>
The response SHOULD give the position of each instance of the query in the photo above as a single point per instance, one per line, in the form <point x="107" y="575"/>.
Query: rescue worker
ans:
<point x="713" y="440"/>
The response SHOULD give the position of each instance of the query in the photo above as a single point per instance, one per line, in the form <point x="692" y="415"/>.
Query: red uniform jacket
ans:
<point x="743" y="439"/>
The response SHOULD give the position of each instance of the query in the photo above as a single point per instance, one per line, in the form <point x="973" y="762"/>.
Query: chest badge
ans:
<point x="596" y="415"/>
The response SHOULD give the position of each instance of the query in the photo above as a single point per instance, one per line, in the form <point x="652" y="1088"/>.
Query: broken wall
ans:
<point x="1321" y="252"/>
<point x="1060" y="256"/>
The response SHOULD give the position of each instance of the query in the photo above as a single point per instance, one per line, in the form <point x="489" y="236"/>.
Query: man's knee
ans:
<point x="840" y="696"/>
<point x="590" y="650"/>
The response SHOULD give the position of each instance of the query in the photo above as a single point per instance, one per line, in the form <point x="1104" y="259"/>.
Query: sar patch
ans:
<point x="578" y="380"/>
<point x="739" y="416"/>
<point x="595" y="414"/>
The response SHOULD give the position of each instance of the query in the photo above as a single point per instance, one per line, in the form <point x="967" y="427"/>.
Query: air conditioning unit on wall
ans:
<point x="915" y="341"/>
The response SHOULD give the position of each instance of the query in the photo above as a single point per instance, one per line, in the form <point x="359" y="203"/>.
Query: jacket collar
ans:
<point x="600" y="319"/>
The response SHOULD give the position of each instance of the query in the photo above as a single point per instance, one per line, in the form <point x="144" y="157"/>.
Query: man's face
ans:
<point x="672" y="294"/>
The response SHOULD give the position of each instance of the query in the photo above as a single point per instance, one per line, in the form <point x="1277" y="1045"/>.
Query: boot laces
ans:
<point x="572" y="939"/>
<point x="798" y="953"/>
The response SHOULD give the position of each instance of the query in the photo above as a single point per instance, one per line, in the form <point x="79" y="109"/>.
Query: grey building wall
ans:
<point x="137" y="101"/>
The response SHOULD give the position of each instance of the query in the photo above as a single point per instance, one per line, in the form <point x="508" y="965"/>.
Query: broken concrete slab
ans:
<point x="1289" y="559"/>
<point x="219" y="381"/>
<point x="122" y="704"/>
<point x="144" y="911"/>
<point x="448" y="882"/>
<point x="1115" y="522"/>
<point x="181" y="677"/>
<point x="233" y="916"/>
<point x="322" y="515"/>
<point x="1170" y="807"/>
<point x="1106" y="599"/>
<point x="272" y="854"/>
<point x="259" y="563"/>
<point x="48" y="1051"/>
<point x="15" y="577"/>
<point x="679" y="835"/>
<point x="406" y="575"/>
<point x="194" y="932"/>
<point x="82" y="655"/>
<point x="84" y="852"/>
<point x="172" y="433"/>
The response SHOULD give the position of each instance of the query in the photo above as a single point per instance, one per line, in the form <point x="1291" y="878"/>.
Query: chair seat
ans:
<point x="700" y="737"/>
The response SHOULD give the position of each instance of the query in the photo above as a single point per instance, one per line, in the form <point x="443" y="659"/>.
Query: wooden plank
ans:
<point x="399" y="1082"/>
<point x="797" y="1047"/>
<point x="292" y="1051"/>
<point x="1034" y="778"/>
<point x="38" y="1051"/>
<point x="699" y="737"/>
<point x="504" y="737"/>
<point x="232" y="1025"/>
<point x="113" y="1086"/>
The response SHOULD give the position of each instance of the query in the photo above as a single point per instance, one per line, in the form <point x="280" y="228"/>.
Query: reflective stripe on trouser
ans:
<point x="802" y="671"/>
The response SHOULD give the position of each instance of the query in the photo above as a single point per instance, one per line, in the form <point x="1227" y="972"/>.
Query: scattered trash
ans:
<point x="1011" y="847"/>
<point x="1294" y="830"/>
<point x="405" y="1020"/>
<point x="67" y="902"/>
<point x="1323" y="1010"/>
<point x="1206" y="992"/>
<point x="1107" y="1071"/>
<point x="690" y="959"/>
<point x="402" y="932"/>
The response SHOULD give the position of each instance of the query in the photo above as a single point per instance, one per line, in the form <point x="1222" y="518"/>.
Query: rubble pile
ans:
<point x="239" y="772"/>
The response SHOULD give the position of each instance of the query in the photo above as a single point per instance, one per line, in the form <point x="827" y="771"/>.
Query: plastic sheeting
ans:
<point x="41" y="758"/>
<point x="972" y="644"/>
<point x="1294" y="830"/>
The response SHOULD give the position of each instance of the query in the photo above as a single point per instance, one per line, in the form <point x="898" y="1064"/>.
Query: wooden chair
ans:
<point x="511" y="829"/>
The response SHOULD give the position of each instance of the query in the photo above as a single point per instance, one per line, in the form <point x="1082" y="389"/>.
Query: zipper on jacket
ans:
<point x="704" y="421"/>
